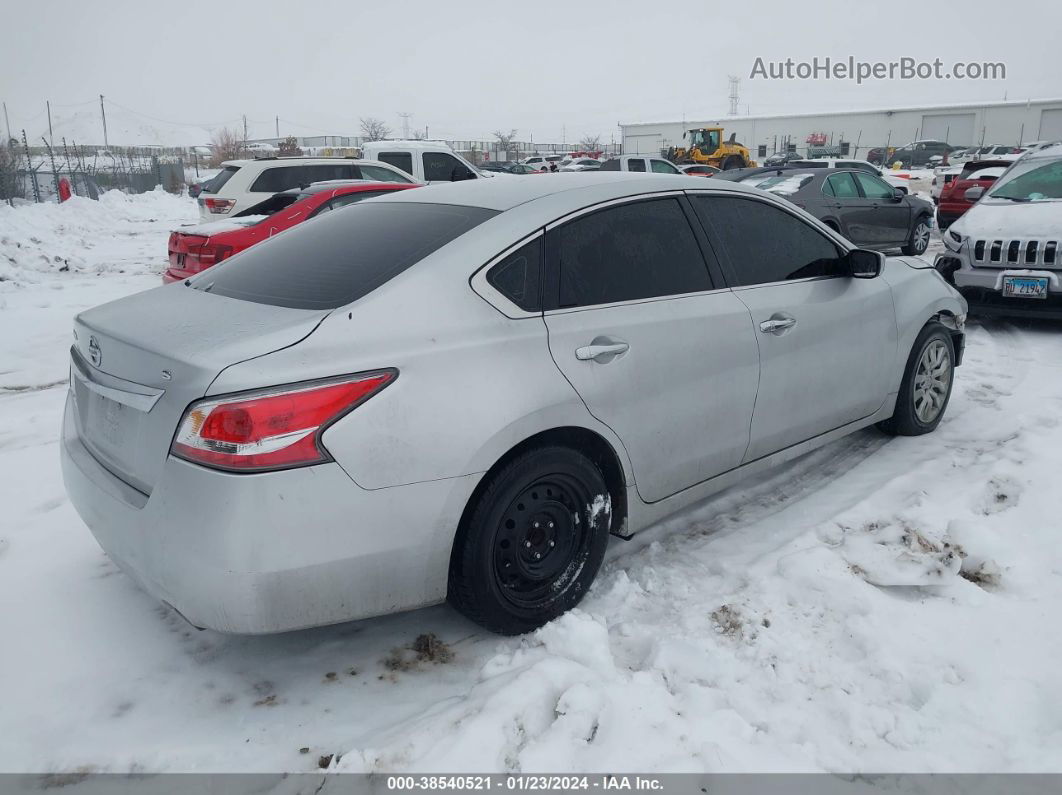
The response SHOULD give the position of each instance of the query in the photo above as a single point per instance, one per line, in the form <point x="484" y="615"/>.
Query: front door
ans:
<point x="657" y="354"/>
<point x="892" y="217"/>
<point x="826" y="340"/>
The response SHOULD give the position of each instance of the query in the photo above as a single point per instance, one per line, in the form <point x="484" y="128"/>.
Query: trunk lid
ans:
<point x="138" y="362"/>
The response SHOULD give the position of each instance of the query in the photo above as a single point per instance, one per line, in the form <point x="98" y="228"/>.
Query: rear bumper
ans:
<point x="270" y="552"/>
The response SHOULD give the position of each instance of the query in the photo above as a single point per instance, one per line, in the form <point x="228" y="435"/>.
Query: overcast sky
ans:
<point x="551" y="70"/>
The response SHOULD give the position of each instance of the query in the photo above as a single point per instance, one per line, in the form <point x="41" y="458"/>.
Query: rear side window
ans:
<point x="400" y="160"/>
<point x="341" y="256"/>
<point x="641" y="250"/>
<point x="347" y="198"/>
<point x="842" y="186"/>
<point x="636" y="165"/>
<point x="517" y="276"/>
<point x="215" y="183"/>
<point x="381" y="174"/>
<point x="281" y="178"/>
<point x="610" y="165"/>
<point x="765" y="244"/>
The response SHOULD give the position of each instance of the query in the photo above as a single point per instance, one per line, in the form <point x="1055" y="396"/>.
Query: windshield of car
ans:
<point x="784" y="184"/>
<point x="340" y="257"/>
<point x="1030" y="182"/>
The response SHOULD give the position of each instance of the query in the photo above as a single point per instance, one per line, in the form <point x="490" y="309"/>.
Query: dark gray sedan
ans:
<point x="862" y="207"/>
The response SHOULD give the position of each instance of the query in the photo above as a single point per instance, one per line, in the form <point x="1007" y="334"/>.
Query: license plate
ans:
<point x="1025" y="286"/>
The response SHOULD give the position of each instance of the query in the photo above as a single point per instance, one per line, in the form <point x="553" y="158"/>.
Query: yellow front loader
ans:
<point x="707" y="147"/>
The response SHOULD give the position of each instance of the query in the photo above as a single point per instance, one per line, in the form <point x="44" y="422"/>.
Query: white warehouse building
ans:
<point x="854" y="132"/>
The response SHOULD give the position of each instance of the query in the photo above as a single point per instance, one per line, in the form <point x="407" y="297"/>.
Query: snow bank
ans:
<point x="120" y="233"/>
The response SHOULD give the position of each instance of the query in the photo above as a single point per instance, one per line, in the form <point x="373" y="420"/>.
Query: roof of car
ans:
<point x="275" y="161"/>
<point x="579" y="186"/>
<point x="1045" y="153"/>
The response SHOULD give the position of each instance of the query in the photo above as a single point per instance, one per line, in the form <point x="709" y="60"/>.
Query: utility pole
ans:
<point x="405" y="117"/>
<point x="278" y="126"/>
<point x="103" y="115"/>
<point x="245" y="128"/>
<point x="7" y="124"/>
<point x="51" y="139"/>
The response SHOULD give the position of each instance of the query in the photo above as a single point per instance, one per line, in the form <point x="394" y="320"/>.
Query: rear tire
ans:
<point x="532" y="542"/>
<point x="926" y="386"/>
<point x="918" y="239"/>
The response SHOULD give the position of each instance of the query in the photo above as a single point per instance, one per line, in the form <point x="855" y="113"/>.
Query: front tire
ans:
<point x="918" y="240"/>
<point x="533" y="541"/>
<point x="733" y="161"/>
<point x="926" y="386"/>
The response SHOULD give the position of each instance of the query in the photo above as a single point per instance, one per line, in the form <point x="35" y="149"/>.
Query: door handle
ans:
<point x="601" y="350"/>
<point x="778" y="324"/>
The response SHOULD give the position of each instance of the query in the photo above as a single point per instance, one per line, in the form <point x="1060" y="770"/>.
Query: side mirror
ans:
<point x="864" y="264"/>
<point x="974" y="193"/>
<point x="898" y="194"/>
<point x="461" y="173"/>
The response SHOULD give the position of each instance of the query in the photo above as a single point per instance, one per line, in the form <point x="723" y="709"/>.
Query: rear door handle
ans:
<point x="777" y="324"/>
<point x="602" y="350"/>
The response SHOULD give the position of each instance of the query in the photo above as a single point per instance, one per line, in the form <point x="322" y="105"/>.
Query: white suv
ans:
<point x="243" y="183"/>
<point x="1005" y="253"/>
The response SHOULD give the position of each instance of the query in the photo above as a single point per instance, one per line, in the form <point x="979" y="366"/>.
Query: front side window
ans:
<point x="636" y="165"/>
<point x="765" y="244"/>
<point x="517" y="276"/>
<point x="663" y="167"/>
<point x="400" y="160"/>
<point x="634" y="251"/>
<point x="610" y="165"/>
<point x="439" y="166"/>
<point x="874" y="188"/>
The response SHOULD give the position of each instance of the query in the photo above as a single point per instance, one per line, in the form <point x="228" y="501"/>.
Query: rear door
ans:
<point x="891" y="219"/>
<point x="853" y="212"/>
<point x="824" y="338"/>
<point x="656" y="350"/>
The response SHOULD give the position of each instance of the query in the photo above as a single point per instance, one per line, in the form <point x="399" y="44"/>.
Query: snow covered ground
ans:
<point x="879" y="605"/>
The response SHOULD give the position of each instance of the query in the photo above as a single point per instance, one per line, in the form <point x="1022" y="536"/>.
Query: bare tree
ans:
<point x="9" y="166"/>
<point x="226" y="144"/>
<point x="289" y="146"/>
<point x="590" y="143"/>
<point x="506" y="141"/>
<point x="373" y="129"/>
<point x="419" y="135"/>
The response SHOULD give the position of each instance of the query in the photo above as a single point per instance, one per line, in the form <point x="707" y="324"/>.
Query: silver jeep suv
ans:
<point x="1005" y="254"/>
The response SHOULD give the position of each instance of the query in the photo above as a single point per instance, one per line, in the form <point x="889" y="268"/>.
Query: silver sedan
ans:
<point x="461" y="392"/>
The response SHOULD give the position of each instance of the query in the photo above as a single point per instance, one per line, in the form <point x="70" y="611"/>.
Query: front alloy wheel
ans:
<point x="919" y="240"/>
<point x="932" y="383"/>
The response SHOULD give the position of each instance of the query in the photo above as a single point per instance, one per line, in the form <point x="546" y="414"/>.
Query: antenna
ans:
<point x="734" y="96"/>
<point x="405" y="117"/>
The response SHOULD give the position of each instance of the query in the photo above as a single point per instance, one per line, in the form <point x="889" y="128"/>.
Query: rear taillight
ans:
<point x="276" y="428"/>
<point x="210" y="254"/>
<point x="219" y="205"/>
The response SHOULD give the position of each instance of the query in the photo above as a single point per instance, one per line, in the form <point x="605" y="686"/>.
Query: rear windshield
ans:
<point x="340" y="257"/>
<point x="215" y="183"/>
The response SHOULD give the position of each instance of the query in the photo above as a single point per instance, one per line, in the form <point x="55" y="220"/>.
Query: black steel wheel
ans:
<point x="532" y="542"/>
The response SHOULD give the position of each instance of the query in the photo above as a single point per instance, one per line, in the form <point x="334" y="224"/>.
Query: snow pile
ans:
<point x="120" y="233"/>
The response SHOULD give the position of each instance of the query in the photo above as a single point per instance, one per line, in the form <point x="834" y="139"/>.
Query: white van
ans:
<point x="425" y="161"/>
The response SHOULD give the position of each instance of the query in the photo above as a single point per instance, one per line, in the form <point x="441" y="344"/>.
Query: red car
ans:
<point x="193" y="249"/>
<point x="975" y="174"/>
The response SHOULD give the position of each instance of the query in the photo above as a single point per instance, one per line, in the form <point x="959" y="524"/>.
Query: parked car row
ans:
<point x="461" y="391"/>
